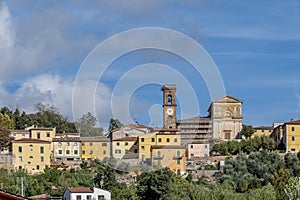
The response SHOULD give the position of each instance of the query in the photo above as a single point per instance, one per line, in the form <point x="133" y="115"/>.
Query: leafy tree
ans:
<point x="292" y="164"/>
<point x="5" y="139"/>
<point x="6" y="121"/>
<point x="113" y="124"/>
<point x="292" y="188"/>
<point x="86" y="125"/>
<point x="247" y="131"/>
<point x="105" y="177"/>
<point x="279" y="181"/>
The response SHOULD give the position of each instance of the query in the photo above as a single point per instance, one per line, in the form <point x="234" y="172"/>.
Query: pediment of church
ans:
<point x="227" y="99"/>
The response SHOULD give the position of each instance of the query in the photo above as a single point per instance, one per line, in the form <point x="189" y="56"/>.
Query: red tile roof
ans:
<point x="29" y="140"/>
<point x="126" y="139"/>
<point x="293" y="122"/>
<point x="8" y="195"/>
<point x="66" y="139"/>
<point x="80" y="189"/>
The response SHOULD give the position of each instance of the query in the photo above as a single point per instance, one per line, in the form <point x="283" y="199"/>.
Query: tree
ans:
<point x="86" y="125"/>
<point x="113" y="124"/>
<point x="105" y="177"/>
<point x="5" y="139"/>
<point x="247" y="131"/>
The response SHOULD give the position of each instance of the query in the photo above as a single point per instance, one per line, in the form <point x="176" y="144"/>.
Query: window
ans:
<point x="178" y="162"/>
<point x="83" y="152"/>
<point x="104" y="144"/>
<point x="78" y="197"/>
<point x="20" y="149"/>
<point x="42" y="158"/>
<point x="68" y="143"/>
<point x="67" y="152"/>
<point x="262" y="131"/>
<point x="91" y="152"/>
<point x="23" y="135"/>
<point x="101" y="197"/>
<point x="158" y="154"/>
<point x="126" y="150"/>
<point x="135" y="151"/>
<point x="37" y="167"/>
<point x="59" y="144"/>
<point x="293" y="128"/>
<point x="293" y="149"/>
<point x="143" y="147"/>
<point x="142" y="139"/>
<point x="30" y="156"/>
<point x="89" y="197"/>
<point x="41" y="149"/>
<point x="169" y="99"/>
<point x="20" y="167"/>
<point x="91" y="144"/>
<point x="205" y="146"/>
<point x="38" y="135"/>
<point x="82" y="144"/>
<point x="75" y="144"/>
<point x="118" y="143"/>
<point x="192" y="146"/>
<point x="104" y="152"/>
<point x="118" y="151"/>
<point x="126" y="143"/>
<point x="159" y="139"/>
<point x="48" y="134"/>
<point x="60" y="151"/>
<point x="192" y="155"/>
<point x="175" y="139"/>
<point x="20" y="159"/>
<point x="75" y="152"/>
<point x="152" y="139"/>
<point x="29" y="163"/>
<point x="168" y="139"/>
<point x="293" y="138"/>
<point x="227" y="135"/>
<point x="178" y="153"/>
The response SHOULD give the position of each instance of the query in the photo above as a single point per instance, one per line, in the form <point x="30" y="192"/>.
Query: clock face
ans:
<point x="170" y="111"/>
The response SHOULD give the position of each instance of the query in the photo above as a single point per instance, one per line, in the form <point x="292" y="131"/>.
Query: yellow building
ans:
<point x="171" y="156"/>
<point x="32" y="155"/>
<point x="262" y="131"/>
<point x="94" y="148"/>
<point x="42" y="133"/>
<point x="161" y="137"/>
<point x="66" y="148"/>
<point x="123" y="146"/>
<point x="291" y="136"/>
<point x="19" y="134"/>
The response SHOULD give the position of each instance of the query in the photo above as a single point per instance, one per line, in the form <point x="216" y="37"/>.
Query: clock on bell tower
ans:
<point x="169" y="105"/>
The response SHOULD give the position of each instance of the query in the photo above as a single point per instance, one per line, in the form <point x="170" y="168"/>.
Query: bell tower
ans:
<point x="169" y="105"/>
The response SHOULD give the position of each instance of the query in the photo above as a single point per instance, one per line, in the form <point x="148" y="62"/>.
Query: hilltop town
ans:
<point x="196" y="147"/>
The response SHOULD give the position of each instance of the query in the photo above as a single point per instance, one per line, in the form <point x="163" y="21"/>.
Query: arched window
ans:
<point x="169" y="99"/>
<point x="178" y="153"/>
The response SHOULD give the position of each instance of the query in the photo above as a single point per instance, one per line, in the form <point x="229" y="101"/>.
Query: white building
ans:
<point x="86" y="193"/>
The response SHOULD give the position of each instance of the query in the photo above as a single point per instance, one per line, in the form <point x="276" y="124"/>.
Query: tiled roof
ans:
<point x="19" y="131"/>
<point x="66" y="139"/>
<point x="293" y="122"/>
<point x="263" y="127"/>
<point x="42" y="129"/>
<point x="8" y="195"/>
<point x="138" y="125"/>
<point x="95" y="139"/>
<point x="29" y="140"/>
<point x="80" y="189"/>
<point x="126" y="139"/>
<point x="167" y="147"/>
<point x="166" y="129"/>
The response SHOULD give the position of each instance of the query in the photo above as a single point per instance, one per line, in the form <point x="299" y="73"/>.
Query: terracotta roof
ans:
<point x="30" y="140"/>
<point x="167" y="147"/>
<point x="126" y="139"/>
<point x="41" y="128"/>
<point x="95" y="139"/>
<point x="166" y="129"/>
<point x="138" y="125"/>
<point x="263" y="127"/>
<point x="80" y="189"/>
<point x="66" y="139"/>
<point x="19" y="131"/>
<point x="8" y="195"/>
<point x="293" y="122"/>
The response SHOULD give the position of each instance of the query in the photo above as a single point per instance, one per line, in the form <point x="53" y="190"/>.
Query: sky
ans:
<point x="254" y="46"/>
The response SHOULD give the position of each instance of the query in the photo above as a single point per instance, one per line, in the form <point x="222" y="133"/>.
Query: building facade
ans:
<point x="97" y="147"/>
<point x="291" y="136"/>
<point x="125" y="146"/>
<point x="262" y="131"/>
<point x="171" y="156"/>
<point x="226" y="116"/>
<point x="197" y="150"/>
<point x="32" y="155"/>
<point x="66" y="148"/>
<point x="86" y="193"/>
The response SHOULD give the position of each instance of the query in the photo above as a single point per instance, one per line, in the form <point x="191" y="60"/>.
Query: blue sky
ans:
<point x="255" y="45"/>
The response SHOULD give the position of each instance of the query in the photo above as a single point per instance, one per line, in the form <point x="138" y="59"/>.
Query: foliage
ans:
<point x="279" y="181"/>
<point x="247" y="146"/>
<point x="6" y="121"/>
<point x="86" y="125"/>
<point x="113" y="124"/>
<point x="247" y="131"/>
<point x="5" y="139"/>
<point x="292" y="188"/>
